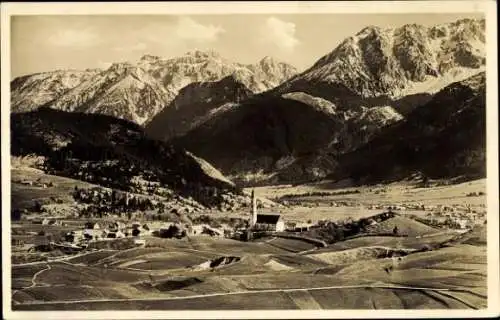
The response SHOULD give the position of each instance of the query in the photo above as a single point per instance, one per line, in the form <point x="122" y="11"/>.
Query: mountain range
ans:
<point x="138" y="91"/>
<point x="267" y="123"/>
<point x="376" y="78"/>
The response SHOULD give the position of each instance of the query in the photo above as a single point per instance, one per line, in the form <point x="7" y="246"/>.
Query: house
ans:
<point x="55" y="222"/>
<point x="92" y="225"/>
<point x="464" y="223"/>
<point x="136" y="225"/>
<point x="93" y="234"/>
<point x="69" y="236"/>
<point x="269" y="222"/>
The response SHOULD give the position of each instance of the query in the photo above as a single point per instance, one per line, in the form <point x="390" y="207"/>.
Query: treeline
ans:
<point x="317" y="194"/>
<point x="332" y="232"/>
<point x="447" y="223"/>
<point x="217" y="222"/>
<point x="105" y="202"/>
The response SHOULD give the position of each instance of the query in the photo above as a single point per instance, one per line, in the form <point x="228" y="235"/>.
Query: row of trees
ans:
<point x="332" y="232"/>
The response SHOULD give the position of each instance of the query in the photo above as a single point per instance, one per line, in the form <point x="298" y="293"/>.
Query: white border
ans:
<point x="194" y="8"/>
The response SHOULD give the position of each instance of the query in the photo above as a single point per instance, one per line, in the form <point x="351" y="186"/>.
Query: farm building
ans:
<point x="464" y="223"/>
<point x="116" y="226"/>
<point x="93" y="233"/>
<point x="300" y="227"/>
<point x="114" y="235"/>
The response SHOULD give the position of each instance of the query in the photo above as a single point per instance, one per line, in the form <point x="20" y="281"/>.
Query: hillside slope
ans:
<point x="114" y="153"/>
<point x="273" y="138"/>
<point x="444" y="138"/>
<point x="193" y="103"/>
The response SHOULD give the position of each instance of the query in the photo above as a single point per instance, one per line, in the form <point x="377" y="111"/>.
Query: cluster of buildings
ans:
<point x="95" y="231"/>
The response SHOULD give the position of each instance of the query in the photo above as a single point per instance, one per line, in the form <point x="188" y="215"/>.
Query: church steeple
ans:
<point x="253" y="218"/>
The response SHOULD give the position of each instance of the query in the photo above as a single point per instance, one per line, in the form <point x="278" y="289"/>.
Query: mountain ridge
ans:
<point x="156" y="81"/>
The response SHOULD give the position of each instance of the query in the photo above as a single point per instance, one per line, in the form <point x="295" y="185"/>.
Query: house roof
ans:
<point x="268" y="218"/>
<point x="90" y="225"/>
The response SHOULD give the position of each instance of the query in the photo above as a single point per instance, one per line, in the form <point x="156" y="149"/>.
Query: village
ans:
<point x="96" y="230"/>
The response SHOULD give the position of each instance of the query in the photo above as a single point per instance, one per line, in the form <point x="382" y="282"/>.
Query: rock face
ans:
<point x="398" y="62"/>
<point x="113" y="153"/>
<point x="28" y="92"/>
<point x="444" y="138"/>
<point x="138" y="91"/>
<point x="123" y="90"/>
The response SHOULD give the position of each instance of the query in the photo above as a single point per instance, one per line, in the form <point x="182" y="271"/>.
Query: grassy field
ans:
<point x="404" y="225"/>
<point x="321" y="279"/>
<point x="25" y="196"/>
<point x="316" y="208"/>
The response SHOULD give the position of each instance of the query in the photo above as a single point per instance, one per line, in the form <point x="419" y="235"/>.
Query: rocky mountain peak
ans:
<point x="138" y="91"/>
<point x="369" y="30"/>
<point x="207" y="54"/>
<point x="399" y="61"/>
<point x="150" y="58"/>
<point x="121" y="67"/>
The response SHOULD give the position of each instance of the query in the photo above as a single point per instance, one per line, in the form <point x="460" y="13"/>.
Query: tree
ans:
<point x="16" y="215"/>
<point x="37" y="207"/>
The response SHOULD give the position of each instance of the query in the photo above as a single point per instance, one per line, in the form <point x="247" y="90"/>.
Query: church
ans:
<point x="265" y="222"/>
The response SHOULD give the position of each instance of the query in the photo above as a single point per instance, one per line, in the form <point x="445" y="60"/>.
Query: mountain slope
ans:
<point x="372" y="80"/>
<point x="442" y="139"/>
<point x="275" y="139"/>
<point x="193" y="103"/>
<point x="32" y="91"/>
<point x="123" y="90"/>
<point x="114" y="153"/>
<point x="391" y="64"/>
<point x="138" y="91"/>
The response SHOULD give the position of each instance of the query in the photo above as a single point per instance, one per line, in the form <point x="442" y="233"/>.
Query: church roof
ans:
<point x="268" y="218"/>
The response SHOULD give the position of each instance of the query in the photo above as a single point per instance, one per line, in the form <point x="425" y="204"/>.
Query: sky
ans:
<point x="45" y="43"/>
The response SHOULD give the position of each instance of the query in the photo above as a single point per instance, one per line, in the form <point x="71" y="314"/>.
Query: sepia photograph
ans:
<point x="249" y="159"/>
